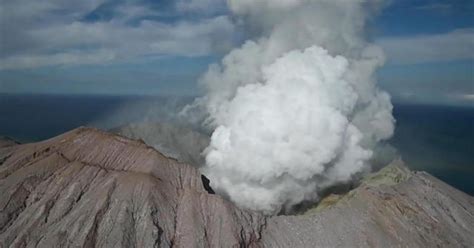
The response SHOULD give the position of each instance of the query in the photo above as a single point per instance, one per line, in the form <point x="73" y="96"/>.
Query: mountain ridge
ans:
<point x="90" y="188"/>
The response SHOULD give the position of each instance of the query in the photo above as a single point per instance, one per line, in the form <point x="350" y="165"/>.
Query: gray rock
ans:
<point x="180" y="143"/>
<point x="89" y="188"/>
<point x="6" y="141"/>
<point x="392" y="208"/>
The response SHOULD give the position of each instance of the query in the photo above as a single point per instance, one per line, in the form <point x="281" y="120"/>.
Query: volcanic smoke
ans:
<point x="295" y="109"/>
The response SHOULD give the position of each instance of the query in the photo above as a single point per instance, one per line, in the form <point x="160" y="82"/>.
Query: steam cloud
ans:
<point x="295" y="108"/>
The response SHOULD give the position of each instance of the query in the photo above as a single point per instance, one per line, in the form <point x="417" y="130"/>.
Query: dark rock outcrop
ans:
<point x="88" y="188"/>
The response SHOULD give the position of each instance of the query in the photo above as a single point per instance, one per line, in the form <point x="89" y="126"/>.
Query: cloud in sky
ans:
<point x="428" y="44"/>
<point x="202" y="6"/>
<point x="54" y="32"/>
<point x="443" y="7"/>
<point x="451" y="46"/>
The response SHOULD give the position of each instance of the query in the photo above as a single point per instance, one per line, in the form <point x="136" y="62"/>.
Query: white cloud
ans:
<point x="452" y="46"/>
<point x="53" y="33"/>
<point x="436" y="7"/>
<point x="202" y="6"/>
<point x="71" y="58"/>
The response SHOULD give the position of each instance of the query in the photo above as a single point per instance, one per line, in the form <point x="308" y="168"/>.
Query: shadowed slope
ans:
<point x="5" y="141"/>
<point x="180" y="143"/>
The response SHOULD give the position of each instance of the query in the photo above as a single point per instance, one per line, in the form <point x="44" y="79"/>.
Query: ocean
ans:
<point x="439" y="140"/>
<point x="436" y="139"/>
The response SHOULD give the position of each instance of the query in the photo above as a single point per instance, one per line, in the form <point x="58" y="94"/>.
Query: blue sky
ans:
<point x="162" y="47"/>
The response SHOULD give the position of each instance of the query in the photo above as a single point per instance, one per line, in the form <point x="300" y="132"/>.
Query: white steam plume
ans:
<point x="295" y="108"/>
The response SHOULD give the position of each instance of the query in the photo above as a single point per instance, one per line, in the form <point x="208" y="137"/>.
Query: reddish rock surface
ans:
<point x="89" y="188"/>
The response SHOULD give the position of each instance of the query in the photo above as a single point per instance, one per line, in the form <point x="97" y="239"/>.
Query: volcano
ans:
<point x="90" y="188"/>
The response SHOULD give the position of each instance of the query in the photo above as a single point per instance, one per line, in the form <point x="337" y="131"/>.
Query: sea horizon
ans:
<point x="433" y="138"/>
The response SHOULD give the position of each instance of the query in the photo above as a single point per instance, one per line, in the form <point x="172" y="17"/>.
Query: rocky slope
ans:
<point x="180" y="143"/>
<point x="5" y="141"/>
<point x="89" y="188"/>
<point x="394" y="207"/>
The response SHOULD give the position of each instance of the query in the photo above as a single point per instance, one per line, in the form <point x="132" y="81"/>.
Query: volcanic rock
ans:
<point x="177" y="142"/>
<point x="89" y="188"/>
<point x="392" y="208"/>
<point x="6" y="141"/>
